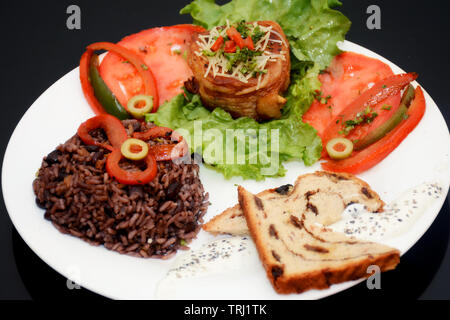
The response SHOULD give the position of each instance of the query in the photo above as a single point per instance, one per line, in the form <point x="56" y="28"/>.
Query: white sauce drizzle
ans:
<point x="222" y="257"/>
<point x="397" y="218"/>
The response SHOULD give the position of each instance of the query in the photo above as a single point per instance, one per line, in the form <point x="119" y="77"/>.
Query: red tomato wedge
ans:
<point x="373" y="154"/>
<point x="349" y="75"/>
<point x="163" y="51"/>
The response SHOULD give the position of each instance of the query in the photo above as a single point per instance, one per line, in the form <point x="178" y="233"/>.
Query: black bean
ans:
<point x="52" y="157"/>
<point x="62" y="174"/>
<point x="190" y="227"/>
<point x="172" y="190"/>
<point x="97" y="156"/>
<point x="136" y="190"/>
<point x="108" y="210"/>
<point x="92" y="148"/>
<point x="40" y="204"/>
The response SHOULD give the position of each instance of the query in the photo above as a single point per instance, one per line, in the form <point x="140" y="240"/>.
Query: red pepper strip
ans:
<point x="230" y="46"/>
<point x="248" y="43"/>
<point x="369" y="98"/>
<point x="152" y="133"/>
<point x="113" y="127"/>
<point x="216" y="46"/>
<point x="373" y="154"/>
<point x="143" y="70"/>
<point x="88" y="90"/>
<point x="234" y="35"/>
<point x="130" y="177"/>
<point x="164" y="152"/>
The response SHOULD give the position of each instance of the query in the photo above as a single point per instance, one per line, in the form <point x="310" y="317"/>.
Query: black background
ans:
<point x="38" y="49"/>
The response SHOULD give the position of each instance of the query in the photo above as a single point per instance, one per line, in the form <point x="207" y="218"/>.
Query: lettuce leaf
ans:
<point x="312" y="27"/>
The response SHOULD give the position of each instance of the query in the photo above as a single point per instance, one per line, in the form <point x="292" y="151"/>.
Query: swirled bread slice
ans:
<point x="317" y="186"/>
<point x="298" y="254"/>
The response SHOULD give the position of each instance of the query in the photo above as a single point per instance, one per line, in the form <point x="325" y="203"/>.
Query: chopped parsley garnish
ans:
<point x="257" y="34"/>
<point x="386" y="107"/>
<point x="320" y="98"/>
<point x="243" y="29"/>
<point x="366" y="116"/>
<point x="209" y="53"/>
<point x="244" y="55"/>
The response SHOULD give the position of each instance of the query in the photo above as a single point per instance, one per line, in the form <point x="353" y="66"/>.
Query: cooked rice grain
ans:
<point x="150" y="221"/>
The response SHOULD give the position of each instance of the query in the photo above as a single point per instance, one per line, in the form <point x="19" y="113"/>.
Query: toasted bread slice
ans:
<point x="319" y="184"/>
<point x="298" y="254"/>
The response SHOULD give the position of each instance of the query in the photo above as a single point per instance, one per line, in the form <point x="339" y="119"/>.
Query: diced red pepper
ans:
<point x="234" y="35"/>
<point x="218" y="44"/>
<point x="152" y="133"/>
<point x="230" y="46"/>
<point x="113" y="127"/>
<point x="130" y="177"/>
<point x="373" y="154"/>
<point x="248" y="43"/>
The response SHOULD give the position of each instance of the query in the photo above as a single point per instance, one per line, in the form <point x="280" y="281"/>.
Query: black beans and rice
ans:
<point x="151" y="221"/>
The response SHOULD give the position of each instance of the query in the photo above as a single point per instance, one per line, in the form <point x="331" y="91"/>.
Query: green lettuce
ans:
<point x="313" y="30"/>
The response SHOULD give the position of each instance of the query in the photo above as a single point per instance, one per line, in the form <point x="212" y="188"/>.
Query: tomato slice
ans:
<point x="163" y="51"/>
<point x="349" y="75"/>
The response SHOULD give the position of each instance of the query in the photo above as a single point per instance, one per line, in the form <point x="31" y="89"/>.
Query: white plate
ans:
<point x="55" y="117"/>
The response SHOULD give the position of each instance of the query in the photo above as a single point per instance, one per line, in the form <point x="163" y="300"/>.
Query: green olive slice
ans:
<point x="134" y="149"/>
<point x="339" y="148"/>
<point x="138" y="111"/>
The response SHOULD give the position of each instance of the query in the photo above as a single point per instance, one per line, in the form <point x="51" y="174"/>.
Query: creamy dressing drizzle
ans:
<point x="397" y="217"/>
<point x="219" y="257"/>
<point x="239" y="253"/>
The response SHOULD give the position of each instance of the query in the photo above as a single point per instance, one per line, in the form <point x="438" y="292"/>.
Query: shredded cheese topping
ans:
<point x="219" y="64"/>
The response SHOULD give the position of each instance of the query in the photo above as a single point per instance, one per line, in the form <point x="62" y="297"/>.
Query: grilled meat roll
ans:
<point x="248" y="82"/>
